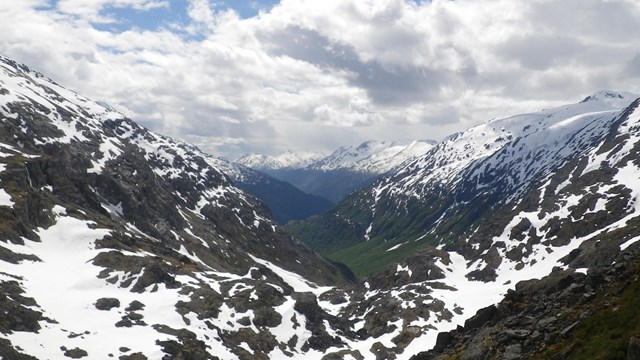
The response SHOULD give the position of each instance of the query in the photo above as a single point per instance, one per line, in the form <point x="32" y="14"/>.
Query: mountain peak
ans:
<point x="610" y="96"/>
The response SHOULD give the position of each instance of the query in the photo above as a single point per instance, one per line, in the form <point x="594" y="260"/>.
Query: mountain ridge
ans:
<point x="348" y="168"/>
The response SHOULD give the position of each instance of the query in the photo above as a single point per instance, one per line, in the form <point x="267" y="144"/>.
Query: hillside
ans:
<point x="119" y="242"/>
<point x="284" y="201"/>
<point x="469" y="187"/>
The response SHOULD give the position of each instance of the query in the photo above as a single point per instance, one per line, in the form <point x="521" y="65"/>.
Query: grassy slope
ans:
<point x="368" y="258"/>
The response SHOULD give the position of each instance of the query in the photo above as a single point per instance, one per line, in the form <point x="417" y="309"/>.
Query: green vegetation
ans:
<point x="370" y="257"/>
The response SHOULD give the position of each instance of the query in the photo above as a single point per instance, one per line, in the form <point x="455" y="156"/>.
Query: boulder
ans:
<point x="107" y="304"/>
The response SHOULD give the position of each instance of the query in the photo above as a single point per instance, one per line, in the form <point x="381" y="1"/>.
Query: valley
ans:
<point x="512" y="239"/>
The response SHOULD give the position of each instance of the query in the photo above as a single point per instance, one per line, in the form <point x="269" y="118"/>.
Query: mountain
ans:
<point x="285" y="201"/>
<point x="490" y="171"/>
<point x="287" y="160"/>
<point x="376" y="157"/>
<point x="530" y="223"/>
<point x="346" y="169"/>
<point x="116" y="242"/>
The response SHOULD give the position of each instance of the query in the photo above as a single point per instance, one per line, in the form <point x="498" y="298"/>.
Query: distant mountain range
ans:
<point x="348" y="168"/>
<point x="287" y="160"/>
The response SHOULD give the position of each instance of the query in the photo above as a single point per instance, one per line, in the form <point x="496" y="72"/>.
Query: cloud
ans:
<point x="539" y="52"/>
<point x="398" y="84"/>
<point x="632" y="68"/>
<point x="315" y="75"/>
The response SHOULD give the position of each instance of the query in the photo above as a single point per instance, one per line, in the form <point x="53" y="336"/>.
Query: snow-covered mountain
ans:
<point x="346" y="169"/>
<point x="503" y="202"/>
<point x="468" y="174"/>
<point x="374" y="157"/>
<point x="287" y="160"/>
<point x="116" y="242"/>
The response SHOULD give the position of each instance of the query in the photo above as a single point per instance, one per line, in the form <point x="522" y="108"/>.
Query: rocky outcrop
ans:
<point x="565" y="315"/>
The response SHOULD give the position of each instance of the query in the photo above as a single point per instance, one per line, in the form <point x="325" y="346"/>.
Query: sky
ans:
<point x="243" y="76"/>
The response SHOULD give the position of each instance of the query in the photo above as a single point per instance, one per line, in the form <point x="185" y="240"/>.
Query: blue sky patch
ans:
<point x="250" y="8"/>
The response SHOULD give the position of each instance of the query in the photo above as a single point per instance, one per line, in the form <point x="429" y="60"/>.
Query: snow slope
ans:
<point x="285" y="160"/>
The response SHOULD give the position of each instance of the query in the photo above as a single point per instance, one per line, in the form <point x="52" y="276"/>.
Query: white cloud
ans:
<point x="318" y="74"/>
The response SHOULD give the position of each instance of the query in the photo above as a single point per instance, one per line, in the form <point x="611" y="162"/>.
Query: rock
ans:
<point x="587" y="297"/>
<point x="478" y="348"/>
<point x="14" y="307"/>
<point x="7" y="351"/>
<point x="512" y="352"/>
<point x="135" y="305"/>
<point x="75" y="353"/>
<point x="267" y="317"/>
<point x="107" y="304"/>
<point x="334" y="296"/>
<point x="135" y="356"/>
<point x="519" y="334"/>
<point x="205" y="302"/>
<point x="633" y="350"/>
<point x="190" y="349"/>
<point x="154" y="274"/>
<point x="568" y="329"/>
<point x="187" y="347"/>
<point x="442" y="341"/>
<point x="382" y="352"/>
<point x="406" y="336"/>
<point x="307" y="305"/>
<point x="481" y="317"/>
<point x="544" y="323"/>
<point x="261" y="342"/>
<point x="124" y="322"/>
<point x="135" y="316"/>
<point x="344" y="354"/>
<point x="244" y="321"/>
